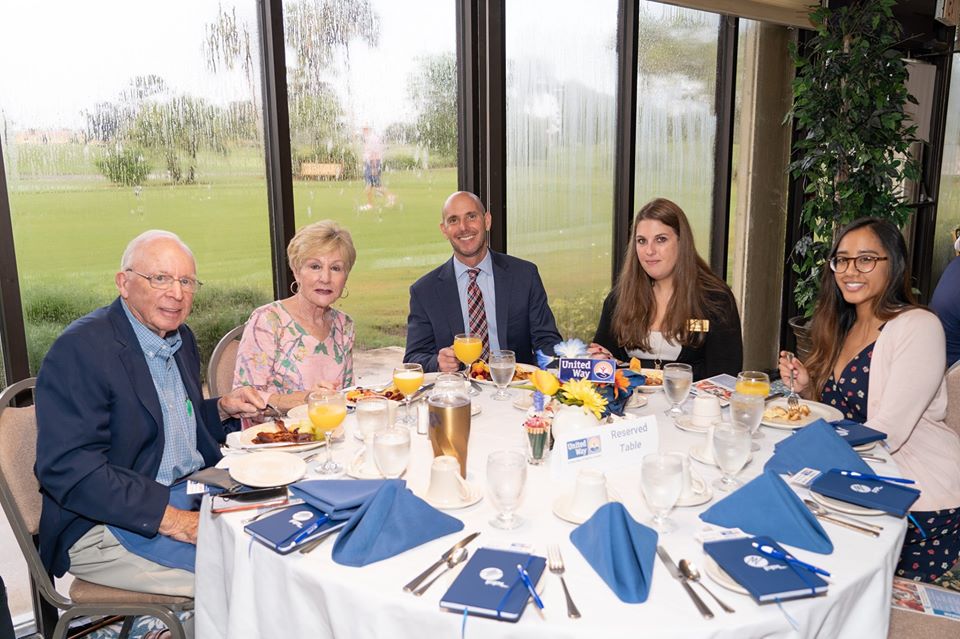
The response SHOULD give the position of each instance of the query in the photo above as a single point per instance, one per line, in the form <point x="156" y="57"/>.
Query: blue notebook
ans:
<point x="287" y="529"/>
<point x="857" y="434"/>
<point x="490" y="586"/>
<point x="765" y="578"/>
<point x="889" y="497"/>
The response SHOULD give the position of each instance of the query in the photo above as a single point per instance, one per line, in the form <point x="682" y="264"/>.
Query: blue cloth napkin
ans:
<point x="620" y="549"/>
<point x="767" y="506"/>
<point x="161" y="549"/>
<point x="392" y="521"/>
<point x="338" y="498"/>
<point x="817" y="446"/>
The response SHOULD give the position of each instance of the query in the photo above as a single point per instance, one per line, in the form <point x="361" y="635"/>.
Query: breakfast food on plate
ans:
<point x="653" y="377"/>
<point x="480" y="370"/>
<point x="281" y="435"/>
<point x="784" y="413"/>
<point x="360" y="392"/>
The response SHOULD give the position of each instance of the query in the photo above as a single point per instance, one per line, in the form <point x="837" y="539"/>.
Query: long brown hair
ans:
<point x="833" y="317"/>
<point x="697" y="292"/>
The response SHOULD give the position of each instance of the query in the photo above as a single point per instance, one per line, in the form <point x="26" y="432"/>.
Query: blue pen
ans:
<point x="306" y="532"/>
<point x="898" y="480"/>
<point x="529" y="584"/>
<point x="790" y="559"/>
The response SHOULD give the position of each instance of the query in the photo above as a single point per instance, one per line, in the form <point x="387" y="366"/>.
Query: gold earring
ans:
<point x="345" y="293"/>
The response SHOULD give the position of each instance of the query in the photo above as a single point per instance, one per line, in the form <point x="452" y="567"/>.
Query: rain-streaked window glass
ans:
<point x="372" y="89"/>
<point x="676" y="119"/>
<point x="948" y="210"/>
<point x="126" y="117"/>
<point x="561" y="117"/>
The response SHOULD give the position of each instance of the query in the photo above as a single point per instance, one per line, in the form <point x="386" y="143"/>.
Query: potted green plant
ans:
<point x="851" y="156"/>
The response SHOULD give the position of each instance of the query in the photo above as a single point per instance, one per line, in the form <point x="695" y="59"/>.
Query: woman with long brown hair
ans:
<point x="667" y="305"/>
<point x="879" y="358"/>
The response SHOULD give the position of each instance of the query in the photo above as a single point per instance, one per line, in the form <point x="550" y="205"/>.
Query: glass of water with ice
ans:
<point x="502" y="366"/>
<point x="731" y="450"/>
<point x="677" y="379"/>
<point x="391" y="451"/>
<point x="661" y="479"/>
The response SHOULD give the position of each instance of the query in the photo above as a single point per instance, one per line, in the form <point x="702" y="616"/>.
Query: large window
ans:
<point x="372" y="89"/>
<point x="561" y="117"/>
<point x="948" y="210"/>
<point x="125" y="118"/>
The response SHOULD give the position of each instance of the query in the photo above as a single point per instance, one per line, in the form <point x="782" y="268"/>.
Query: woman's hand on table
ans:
<point x="598" y="352"/>
<point x="801" y="380"/>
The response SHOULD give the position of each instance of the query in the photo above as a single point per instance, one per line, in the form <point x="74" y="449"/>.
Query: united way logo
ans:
<point x="756" y="561"/>
<point x="860" y="488"/>
<point x="604" y="371"/>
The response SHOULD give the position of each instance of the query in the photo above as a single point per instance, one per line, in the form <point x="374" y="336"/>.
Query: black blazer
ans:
<point x="100" y="432"/>
<point x="525" y="322"/>
<point x="721" y="351"/>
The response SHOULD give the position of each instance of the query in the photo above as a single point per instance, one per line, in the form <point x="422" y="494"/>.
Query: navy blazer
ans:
<point x="100" y="432"/>
<point x="525" y="322"/>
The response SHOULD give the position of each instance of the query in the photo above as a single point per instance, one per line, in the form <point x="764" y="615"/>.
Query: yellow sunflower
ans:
<point x="581" y="392"/>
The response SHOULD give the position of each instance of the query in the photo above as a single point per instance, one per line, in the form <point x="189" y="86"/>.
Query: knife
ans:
<point x="675" y="573"/>
<point x="443" y="558"/>
<point x="420" y="393"/>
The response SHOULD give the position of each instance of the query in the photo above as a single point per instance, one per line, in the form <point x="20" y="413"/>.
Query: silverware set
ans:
<point x="412" y="586"/>
<point x="828" y="514"/>
<point x="676" y="574"/>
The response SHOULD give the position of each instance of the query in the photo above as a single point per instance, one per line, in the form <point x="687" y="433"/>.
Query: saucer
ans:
<point x="694" y="499"/>
<point x="356" y="469"/>
<point x="474" y="496"/>
<point x="561" y="507"/>
<point x="524" y="402"/>
<point x="685" y="422"/>
<point x="699" y="453"/>
<point x="475" y="408"/>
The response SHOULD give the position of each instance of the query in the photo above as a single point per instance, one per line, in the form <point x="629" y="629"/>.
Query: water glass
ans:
<point x="502" y="366"/>
<point x="506" y="476"/>
<point x="747" y="411"/>
<point x="391" y="451"/>
<point x="677" y="380"/>
<point x="661" y="479"/>
<point x="731" y="450"/>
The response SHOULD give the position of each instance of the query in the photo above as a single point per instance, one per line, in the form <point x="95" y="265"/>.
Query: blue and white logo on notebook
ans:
<point x="860" y="488"/>
<point x="755" y="561"/>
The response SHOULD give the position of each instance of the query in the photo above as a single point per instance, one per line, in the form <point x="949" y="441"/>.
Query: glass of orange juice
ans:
<point x="468" y="347"/>
<point x="753" y="383"/>
<point x="327" y="409"/>
<point x="408" y="378"/>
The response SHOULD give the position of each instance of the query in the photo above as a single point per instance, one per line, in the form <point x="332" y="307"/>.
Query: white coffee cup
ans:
<point x="693" y="486"/>
<point x="706" y="411"/>
<point x="446" y="484"/>
<point x="589" y="493"/>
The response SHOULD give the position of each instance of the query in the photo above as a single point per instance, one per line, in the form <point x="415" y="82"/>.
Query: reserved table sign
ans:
<point x="601" y="371"/>
<point x="606" y="447"/>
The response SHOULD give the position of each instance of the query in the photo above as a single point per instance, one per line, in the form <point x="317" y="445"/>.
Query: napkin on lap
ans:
<point x="767" y="506"/>
<point x="619" y="549"/>
<point x="338" y="498"/>
<point x="816" y="446"/>
<point x="392" y="521"/>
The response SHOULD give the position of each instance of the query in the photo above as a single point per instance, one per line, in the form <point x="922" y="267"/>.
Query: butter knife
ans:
<point x="443" y="558"/>
<point x="676" y="574"/>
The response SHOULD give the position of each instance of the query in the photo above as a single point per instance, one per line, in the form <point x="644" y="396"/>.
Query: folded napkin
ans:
<point x="620" y="549"/>
<point x="855" y="433"/>
<point x="161" y="549"/>
<point x="392" y="521"/>
<point x="338" y="498"/>
<point x="767" y="506"/>
<point x="817" y="446"/>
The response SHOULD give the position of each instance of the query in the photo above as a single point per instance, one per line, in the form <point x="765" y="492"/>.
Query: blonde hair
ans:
<point x="321" y="238"/>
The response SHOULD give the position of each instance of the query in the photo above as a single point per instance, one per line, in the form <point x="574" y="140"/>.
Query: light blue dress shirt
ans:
<point x="485" y="282"/>
<point x="180" y="454"/>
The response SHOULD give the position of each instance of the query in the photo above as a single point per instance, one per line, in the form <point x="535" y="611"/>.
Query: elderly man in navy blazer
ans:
<point x="121" y="417"/>
<point x="504" y="293"/>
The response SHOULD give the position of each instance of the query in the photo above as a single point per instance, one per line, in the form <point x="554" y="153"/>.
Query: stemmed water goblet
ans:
<point x="506" y="476"/>
<point x="661" y="480"/>
<point x="747" y="410"/>
<point x="467" y="347"/>
<point x="731" y="450"/>
<point x="677" y="380"/>
<point x="502" y="366"/>
<point x="327" y="409"/>
<point x="408" y="378"/>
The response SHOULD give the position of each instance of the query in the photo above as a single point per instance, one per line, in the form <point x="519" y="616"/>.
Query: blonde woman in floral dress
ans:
<point x="295" y="345"/>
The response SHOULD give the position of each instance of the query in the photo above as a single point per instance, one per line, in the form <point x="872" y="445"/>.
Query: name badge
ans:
<point x="606" y="448"/>
<point x="602" y="371"/>
<point x="698" y="326"/>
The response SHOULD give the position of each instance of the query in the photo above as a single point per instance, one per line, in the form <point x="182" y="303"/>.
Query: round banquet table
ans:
<point x="244" y="589"/>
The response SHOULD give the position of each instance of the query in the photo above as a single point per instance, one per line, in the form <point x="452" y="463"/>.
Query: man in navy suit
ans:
<point x="121" y="417"/>
<point x="514" y="302"/>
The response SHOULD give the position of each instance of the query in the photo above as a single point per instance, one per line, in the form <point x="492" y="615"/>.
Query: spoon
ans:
<point x="454" y="559"/>
<point x="691" y="573"/>
<point x="848" y="522"/>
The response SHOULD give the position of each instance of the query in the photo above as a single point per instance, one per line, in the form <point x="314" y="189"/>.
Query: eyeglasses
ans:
<point x="863" y="263"/>
<point x="163" y="282"/>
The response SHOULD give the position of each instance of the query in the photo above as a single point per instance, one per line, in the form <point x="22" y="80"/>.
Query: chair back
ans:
<point x="223" y="361"/>
<point x="953" y="397"/>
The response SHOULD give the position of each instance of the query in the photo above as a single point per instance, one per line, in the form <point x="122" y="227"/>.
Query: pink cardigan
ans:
<point x="907" y="400"/>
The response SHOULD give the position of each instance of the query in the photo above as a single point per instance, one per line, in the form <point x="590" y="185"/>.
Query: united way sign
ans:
<point x="601" y="371"/>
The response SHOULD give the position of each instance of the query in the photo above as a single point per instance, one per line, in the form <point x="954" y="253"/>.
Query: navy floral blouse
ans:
<point x="849" y="393"/>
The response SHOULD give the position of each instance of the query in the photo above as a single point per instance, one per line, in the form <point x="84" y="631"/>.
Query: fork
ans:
<point x="555" y="563"/>
<point x="793" y="400"/>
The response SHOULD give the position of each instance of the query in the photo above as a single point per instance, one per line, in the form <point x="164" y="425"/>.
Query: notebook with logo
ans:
<point x="490" y="586"/>
<point x="765" y="578"/>
<point x="287" y="529"/>
<point x="889" y="497"/>
<point x="857" y="434"/>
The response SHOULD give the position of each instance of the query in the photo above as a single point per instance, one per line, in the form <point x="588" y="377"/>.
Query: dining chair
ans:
<point x="21" y="501"/>
<point x="953" y="397"/>
<point x="222" y="362"/>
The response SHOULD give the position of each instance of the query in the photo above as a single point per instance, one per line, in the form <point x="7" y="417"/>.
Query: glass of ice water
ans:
<point x="391" y="451"/>
<point x="677" y="379"/>
<point x="502" y="365"/>
<point x="506" y="476"/>
<point x="731" y="450"/>
<point x="661" y="479"/>
<point x="747" y="410"/>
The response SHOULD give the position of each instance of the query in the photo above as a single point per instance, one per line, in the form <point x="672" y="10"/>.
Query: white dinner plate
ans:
<point x="817" y="411"/>
<point x="528" y="368"/>
<point x="844" y="506"/>
<point x="245" y="439"/>
<point x="269" y="468"/>
<point x="474" y="495"/>
<point x="720" y="576"/>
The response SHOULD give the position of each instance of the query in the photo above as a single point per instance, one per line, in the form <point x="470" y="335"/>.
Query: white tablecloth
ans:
<point x="243" y="589"/>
